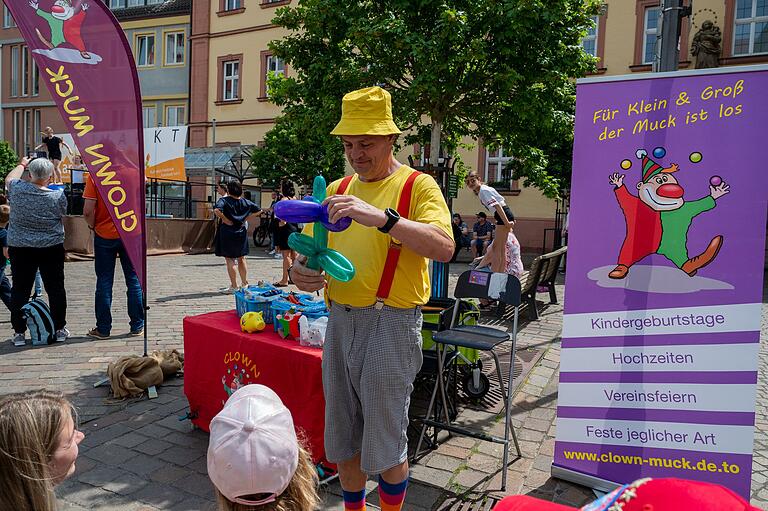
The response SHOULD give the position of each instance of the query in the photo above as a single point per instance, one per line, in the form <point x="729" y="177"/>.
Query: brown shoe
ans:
<point x="619" y="272"/>
<point x="692" y="265"/>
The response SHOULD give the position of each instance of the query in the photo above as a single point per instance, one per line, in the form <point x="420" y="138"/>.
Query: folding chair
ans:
<point x="477" y="284"/>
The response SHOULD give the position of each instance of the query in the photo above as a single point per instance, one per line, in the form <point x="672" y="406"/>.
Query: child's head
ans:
<point x="255" y="460"/>
<point x="5" y="214"/>
<point x="38" y="448"/>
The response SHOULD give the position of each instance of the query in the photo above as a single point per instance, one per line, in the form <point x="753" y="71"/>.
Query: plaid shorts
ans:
<point x="370" y="359"/>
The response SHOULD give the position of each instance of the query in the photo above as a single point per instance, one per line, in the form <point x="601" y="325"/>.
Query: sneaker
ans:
<point x="96" y="334"/>
<point x="61" y="335"/>
<point x="271" y="252"/>
<point x="19" y="340"/>
<point x="278" y="256"/>
<point x="136" y="333"/>
<point x="229" y="290"/>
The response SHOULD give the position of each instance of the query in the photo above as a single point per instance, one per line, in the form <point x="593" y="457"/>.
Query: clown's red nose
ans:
<point x="57" y="9"/>
<point x="671" y="191"/>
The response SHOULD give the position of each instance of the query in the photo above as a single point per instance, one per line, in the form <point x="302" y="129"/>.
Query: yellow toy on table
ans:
<point x="252" y="322"/>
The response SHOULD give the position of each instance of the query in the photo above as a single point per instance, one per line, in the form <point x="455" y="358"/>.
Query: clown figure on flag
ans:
<point x="658" y="219"/>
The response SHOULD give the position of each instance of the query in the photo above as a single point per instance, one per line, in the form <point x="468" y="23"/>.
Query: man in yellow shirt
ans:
<point x="372" y="351"/>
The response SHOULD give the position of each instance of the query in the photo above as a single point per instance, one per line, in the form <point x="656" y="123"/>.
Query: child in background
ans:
<point x="5" y="285"/>
<point x="255" y="460"/>
<point x="38" y="448"/>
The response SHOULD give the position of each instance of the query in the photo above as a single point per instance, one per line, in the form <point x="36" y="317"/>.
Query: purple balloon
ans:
<point x="715" y="180"/>
<point x="298" y="211"/>
<point x="305" y="212"/>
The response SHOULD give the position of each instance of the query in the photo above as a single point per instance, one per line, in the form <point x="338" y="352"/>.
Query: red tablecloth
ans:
<point x="218" y="357"/>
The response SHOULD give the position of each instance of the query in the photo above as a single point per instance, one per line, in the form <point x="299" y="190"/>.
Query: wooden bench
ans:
<point x="543" y="272"/>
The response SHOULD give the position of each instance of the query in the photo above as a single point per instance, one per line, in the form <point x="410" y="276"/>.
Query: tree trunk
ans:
<point x="434" y="153"/>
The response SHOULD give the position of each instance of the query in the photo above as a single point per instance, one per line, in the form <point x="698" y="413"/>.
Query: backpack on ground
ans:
<point x="39" y="322"/>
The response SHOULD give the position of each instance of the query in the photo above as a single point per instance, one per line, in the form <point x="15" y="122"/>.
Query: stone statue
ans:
<point x="706" y="46"/>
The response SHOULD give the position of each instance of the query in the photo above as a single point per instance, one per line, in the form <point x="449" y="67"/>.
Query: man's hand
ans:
<point x="305" y="279"/>
<point x="84" y="7"/>
<point x="33" y="4"/>
<point x="718" y="191"/>
<point x="616" y="179"/>
<point x="340" y="206"/>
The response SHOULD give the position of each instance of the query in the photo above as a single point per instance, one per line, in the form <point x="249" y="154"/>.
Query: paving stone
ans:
<point x="143" y="465"/>
<point x="444" y="462"/>
<point x="126" y="484"/>
<point x="430" y="475"/>
<point x="483" y="463"/>
<point x="179" y="455"/>
<point x="160" y="495"/>
<point x="196" y="484"/>
<point x="129" y="440"/>
<point x="152" y="446"/>
<point x="100" y="475"/>
<point x="169" y="474"/>
<point x="111" y="454"/>
<point x="469" y="478"/>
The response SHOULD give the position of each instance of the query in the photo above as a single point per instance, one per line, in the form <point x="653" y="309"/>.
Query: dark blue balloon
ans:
<point x="659" y="152"/>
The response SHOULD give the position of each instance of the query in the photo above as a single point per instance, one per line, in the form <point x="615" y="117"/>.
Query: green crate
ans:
<point x="434" y="320"/>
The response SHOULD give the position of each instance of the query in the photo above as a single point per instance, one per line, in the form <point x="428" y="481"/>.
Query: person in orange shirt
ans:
<point x="106" y="247"/>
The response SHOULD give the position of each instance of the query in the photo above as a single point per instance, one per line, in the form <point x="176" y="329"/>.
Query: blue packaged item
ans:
<point x="257" y="299"/>
<point x="310" y="308"/>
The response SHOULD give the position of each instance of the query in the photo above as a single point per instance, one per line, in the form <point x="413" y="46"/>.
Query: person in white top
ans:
<point x="505" y="220"/>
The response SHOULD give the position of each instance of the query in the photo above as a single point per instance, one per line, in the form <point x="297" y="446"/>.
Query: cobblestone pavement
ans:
<point x="139" y="455"/>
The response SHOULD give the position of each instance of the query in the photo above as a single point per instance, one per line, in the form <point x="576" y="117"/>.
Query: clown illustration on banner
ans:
<point x="663" y="294"/>
<point x="658" y="218"/>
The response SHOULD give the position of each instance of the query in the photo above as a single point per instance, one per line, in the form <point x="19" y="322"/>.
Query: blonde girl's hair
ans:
<point x="301" y="494"/>
<point x="30" y="424"/>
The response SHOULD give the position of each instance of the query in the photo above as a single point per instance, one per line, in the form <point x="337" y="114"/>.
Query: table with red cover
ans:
<point x="219" y="358"/>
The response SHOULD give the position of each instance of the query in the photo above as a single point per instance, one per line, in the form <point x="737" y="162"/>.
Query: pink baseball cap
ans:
<point x="646" y="495"/>
<point x="253" y="451"/>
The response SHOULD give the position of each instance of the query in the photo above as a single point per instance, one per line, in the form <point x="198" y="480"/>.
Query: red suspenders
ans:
<point x="393" y="254"/>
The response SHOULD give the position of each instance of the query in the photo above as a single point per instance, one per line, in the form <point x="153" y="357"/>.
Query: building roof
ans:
<point x="163" y="9"/>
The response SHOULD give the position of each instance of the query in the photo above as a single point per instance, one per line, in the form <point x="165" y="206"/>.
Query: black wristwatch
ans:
<point x="392" y="217"/>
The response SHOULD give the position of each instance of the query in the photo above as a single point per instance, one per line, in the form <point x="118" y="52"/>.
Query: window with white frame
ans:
<point x="135" y="3"/>
<point x="750" y="34"/>
<point x="650" y="32"/>
<point x="275" y="66"/>
<point x="35" y="79"/>
<point x="231" y="5"/>
<point x="37" y="128"/>
<point x="8" y="21"/>
<point x="24" y="71"/>
<point x="28" y="137"/>
<point x="174" y="48"/>
<point x="149" y="116"/>
<point x="495" y="161"/>
<point x="117" y="4"/>
<point x="14" y="71"/>
<point x="145" y="50"/>
<point x="17" y="143"/>
<point x="175" y="115"/>
<point x="231" y="80"/>
<point x="589" y="43"/>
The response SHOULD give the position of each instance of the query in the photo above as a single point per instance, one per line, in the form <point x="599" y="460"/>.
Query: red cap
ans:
<point x="646" y="495"/>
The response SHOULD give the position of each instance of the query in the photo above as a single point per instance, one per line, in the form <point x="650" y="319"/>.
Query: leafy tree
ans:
<point x="8" y="159"/>
<point x="497" y="70"/>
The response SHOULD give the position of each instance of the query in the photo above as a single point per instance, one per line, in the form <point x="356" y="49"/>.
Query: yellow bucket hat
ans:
<point x="366" y="112"/>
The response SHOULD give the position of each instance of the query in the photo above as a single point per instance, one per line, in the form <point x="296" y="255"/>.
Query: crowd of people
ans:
<point x="32" y="244"/>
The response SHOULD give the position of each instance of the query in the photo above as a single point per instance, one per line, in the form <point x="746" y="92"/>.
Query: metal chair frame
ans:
<point x="477" y="284"/>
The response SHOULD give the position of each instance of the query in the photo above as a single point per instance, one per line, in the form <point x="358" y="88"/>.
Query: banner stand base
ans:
<point x="589" y="481"/>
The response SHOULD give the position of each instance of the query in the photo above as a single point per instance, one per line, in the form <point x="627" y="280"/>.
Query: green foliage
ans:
<point x="8" y="159"/>
<point x="499" y="70"/>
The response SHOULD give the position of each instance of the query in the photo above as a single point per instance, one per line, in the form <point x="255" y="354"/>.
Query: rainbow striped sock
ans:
<point x="391" y="496"/>
<point x="354" y="500"/>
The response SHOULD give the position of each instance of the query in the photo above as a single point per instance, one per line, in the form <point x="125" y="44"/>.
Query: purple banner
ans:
<point x="664" y="277"/>
<point x="87" y="64"/>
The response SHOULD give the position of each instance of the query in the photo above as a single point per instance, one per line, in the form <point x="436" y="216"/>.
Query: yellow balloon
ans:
<point x="252" y="322"/>
<point x="695" y="157"/>
<point x="626" y="164"/>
